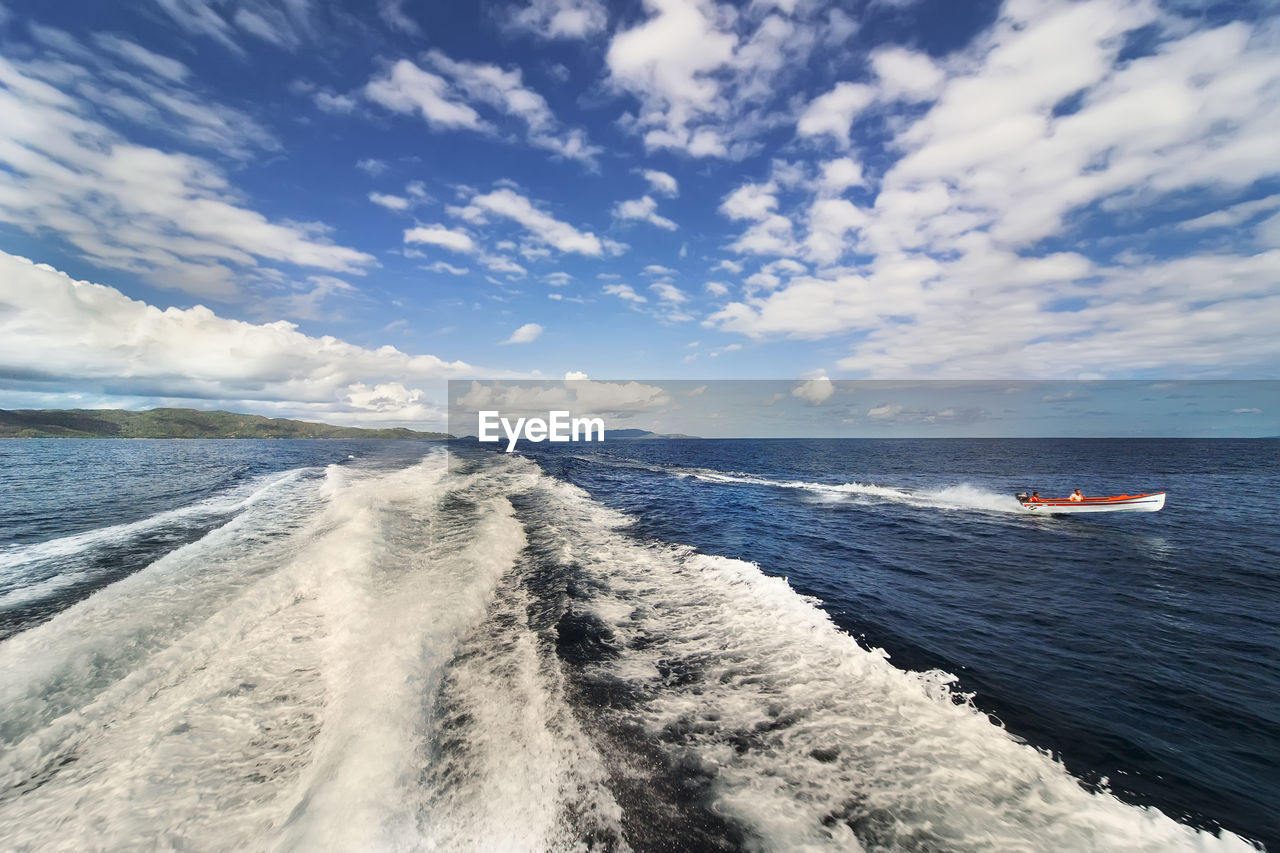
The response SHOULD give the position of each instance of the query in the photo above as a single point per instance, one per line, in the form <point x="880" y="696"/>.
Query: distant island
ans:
<point x="177" y="423"/>
<point x="610" y="434"/>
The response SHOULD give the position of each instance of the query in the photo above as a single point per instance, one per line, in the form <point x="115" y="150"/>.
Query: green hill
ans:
<point x="176" y="423"/>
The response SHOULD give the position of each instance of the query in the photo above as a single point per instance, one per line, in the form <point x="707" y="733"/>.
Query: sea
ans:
<point x="663" y="645"/>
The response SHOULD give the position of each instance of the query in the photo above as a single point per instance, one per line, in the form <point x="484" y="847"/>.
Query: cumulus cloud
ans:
<point x="173" y="218"/>
<point x="662" y="183"/>
<point x="332" y="102"/>
<point x="505" y="92"/>
<point x="62" y="335"/>
<point x="542" y="227"/>
<point x="447" y="97"/>
<point x="840" y="174"/>
<point x="438" y="235"/>
<point x="1040" y="130"/>
<point x="832" y="114"/>
<point x="815" y="392"/>
<point x="645" y="210"/>
<point x="560" y="19"/>
<point x="406" y="88"/>
<point x="442" y="266"/>
<point x="527" y="333"/>
<point x="624" y="292"/>
<point x="709" y="79"/>
<point x="669" y="293"/>
<point x="390" y="202"/>
<point x="906" y="75"/>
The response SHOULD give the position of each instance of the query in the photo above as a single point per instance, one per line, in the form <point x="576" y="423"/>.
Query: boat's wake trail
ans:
<point x="959" y="497"/>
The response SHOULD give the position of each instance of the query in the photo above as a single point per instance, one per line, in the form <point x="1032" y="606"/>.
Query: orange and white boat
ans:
<point x="1153" y="502"/>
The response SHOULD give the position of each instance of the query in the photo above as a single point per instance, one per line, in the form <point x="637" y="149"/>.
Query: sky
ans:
<point x="326" y="210"/>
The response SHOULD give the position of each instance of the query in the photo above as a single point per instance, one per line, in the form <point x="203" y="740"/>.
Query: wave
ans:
<point x="961" y="496"/>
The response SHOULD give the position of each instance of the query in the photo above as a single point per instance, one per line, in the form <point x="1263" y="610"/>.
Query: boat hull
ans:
<point x="1153" y="502"/>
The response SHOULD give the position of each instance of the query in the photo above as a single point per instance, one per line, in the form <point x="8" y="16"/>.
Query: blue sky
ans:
<point x="325" y="210"/>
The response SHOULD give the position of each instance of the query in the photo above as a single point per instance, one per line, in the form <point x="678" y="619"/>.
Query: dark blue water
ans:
<point x="1142" y="649"/>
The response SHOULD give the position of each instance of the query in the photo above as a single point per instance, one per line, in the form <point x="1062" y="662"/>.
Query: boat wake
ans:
<point x="479" y="657"/>
<point x="958" y="497"/>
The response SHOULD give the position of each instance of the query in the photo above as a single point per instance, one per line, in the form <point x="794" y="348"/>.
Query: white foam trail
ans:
<point x="15" y="557"/>
<point x="962" y="496"/>
<point x="394" y="627"/>
<point x="522" y="775"/>
<point x="814" y="742"/>
<point x="254" y="689"/>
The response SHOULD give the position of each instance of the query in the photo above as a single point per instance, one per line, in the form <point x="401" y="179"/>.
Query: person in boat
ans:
<point x="1034" y="499"/>
<point x="1076" y="496"/>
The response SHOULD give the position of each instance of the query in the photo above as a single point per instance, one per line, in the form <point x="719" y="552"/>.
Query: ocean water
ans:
<point x="674" y="645"/>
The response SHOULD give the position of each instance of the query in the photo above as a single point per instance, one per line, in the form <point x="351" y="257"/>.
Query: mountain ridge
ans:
<point x="178" y="423"/>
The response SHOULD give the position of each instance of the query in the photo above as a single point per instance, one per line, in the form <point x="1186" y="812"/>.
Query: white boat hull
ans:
<point x="1124" y="503"/>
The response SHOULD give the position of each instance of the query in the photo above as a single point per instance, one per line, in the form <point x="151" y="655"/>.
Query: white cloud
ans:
<point x="541" y="226"/>
<point x="716" y="288"/>
<point x="372" y="166"/>
<point x="527" y="333"/>
<point x="441" y="266"/>
<point x="750" y="201"/>
<point x="815" y="392"/>
<point x="669" y="293"/>
<point x="74" y="336"/>
<point x="885" y="412"/>
<point x="406" y="88"/>
<point x="199" y="18"/>
<point x="840" y="174"/>
<point x="624" y="292"/>
<point x="172" y="218"/>
<point x="1036" y="131"/>
<point x="667" y="61"/>
<point x="139" y="56"/>
<point x="394" y="16"/>
<point x="337" y="104"/>
<point x="438" y="235"/>
<point x="771" y="235"/>
<point x="906" y="75"/>
<point x="498" y="263"/>
<point x="153" y="101"/>
<point x="662" y="183"/>
<point x="658" y="269"/>
<point x="1229" y="217"/>
<point x="390" y="202"/>
<point x="645" y="210"/>
<point x="505" y="92"/>
<point x="830" y="220"/>
<point x="560" y="19"/>
<point x="832" y="114"/>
